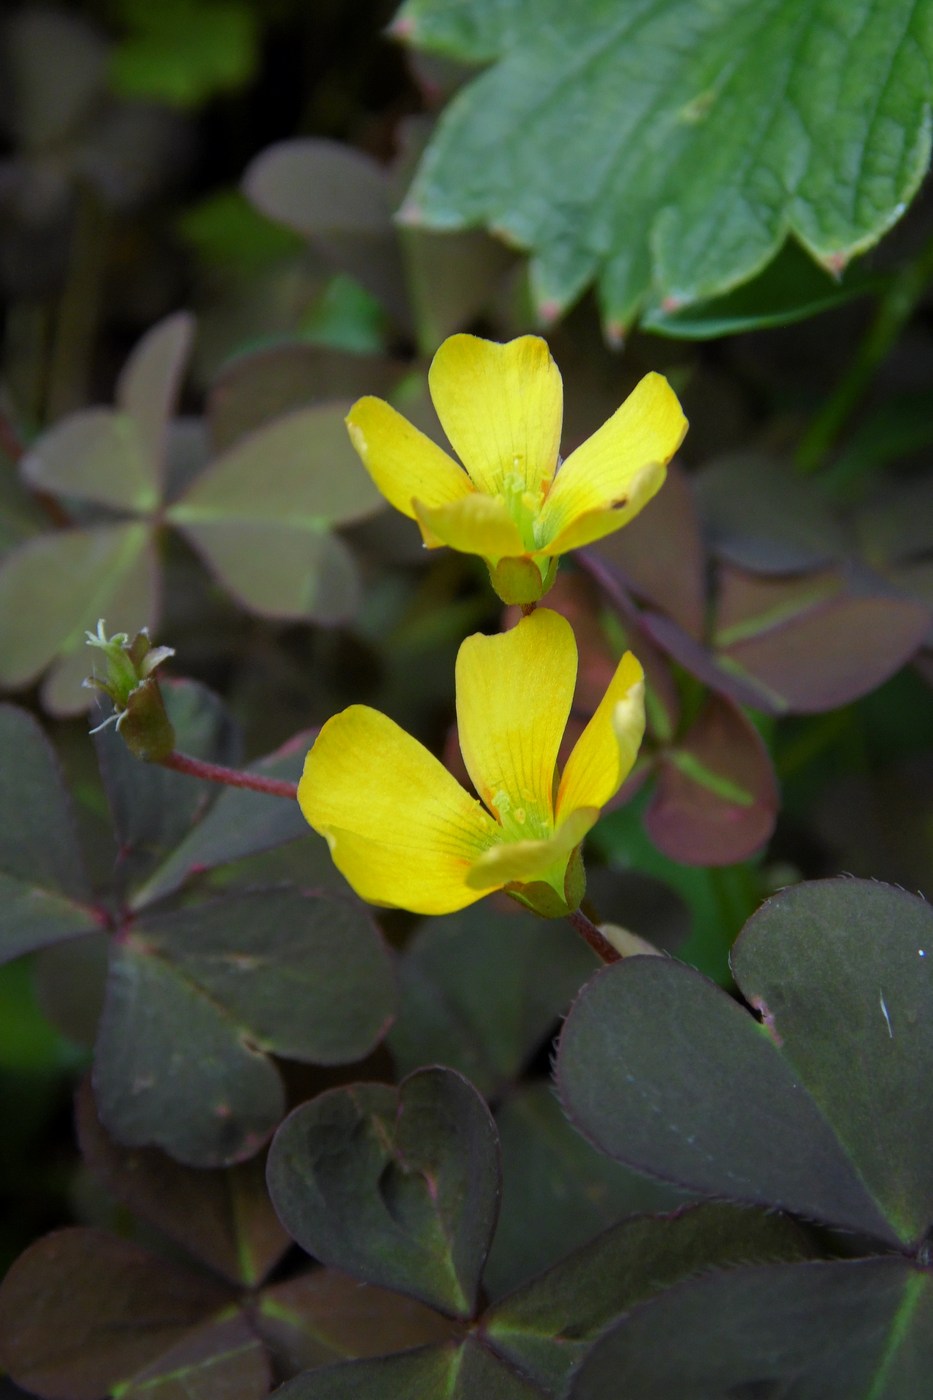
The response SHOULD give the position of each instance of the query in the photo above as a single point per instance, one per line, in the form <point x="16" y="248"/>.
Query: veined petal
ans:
<point x="514" y="693"/>
<point x="605" y="752"/>
<point x="475" y="525"/>
<point x="522" y="862"/>
<point x="501" y="407"/>
<point x="616" y="471"/>
<point x="400" y="827"/>
<point x="401" y="460"/>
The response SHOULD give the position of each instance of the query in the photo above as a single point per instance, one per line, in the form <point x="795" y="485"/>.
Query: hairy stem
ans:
<point x="232" y="777"/>
<point x="590" y="934"/>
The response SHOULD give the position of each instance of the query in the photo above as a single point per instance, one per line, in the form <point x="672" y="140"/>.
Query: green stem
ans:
<point x="232" y="777"/>
<point x="590" y="934"/>
<point x="893" y="312"/>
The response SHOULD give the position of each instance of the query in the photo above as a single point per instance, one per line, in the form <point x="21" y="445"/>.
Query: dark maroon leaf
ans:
<point x="817" y="642"/>
<point x="481" y="989"/>
<point x="842" y="970"/>
<point x="267" y="971"/>
<point x="324" y="1316"/>
<point x="664" y="1071"/>
<point x="223" y="1360"/>
<point x="816" y="1331"/>
<point x="546" y="1327"/>
<point x="224" y="1218"/>
<point x="659" y="555"/>
<point x="43" y="886"/>
<point x="81" y="1311"/>
<point x="467" y="1372"/>
<point x="762" y="516"/>
<point x="716" y="798"/>
<point x="400" y="1188"/>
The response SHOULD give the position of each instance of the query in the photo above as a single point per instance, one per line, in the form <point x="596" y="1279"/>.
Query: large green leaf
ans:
<point x="399" y="1187"/>
<point x="43" y="887"/>
<point x="855" y="1330"/>
<point x="667" y="148"/>
<point x="816" y="1109"/>
<point x="198" y="997"/>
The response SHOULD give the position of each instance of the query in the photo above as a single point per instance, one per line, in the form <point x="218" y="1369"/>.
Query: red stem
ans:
<point x="233" y="777"/>
<point x="590" y="934"/>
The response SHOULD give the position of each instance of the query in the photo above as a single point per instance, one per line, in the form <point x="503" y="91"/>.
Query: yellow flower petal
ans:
<point x="605" y="752"/>
<point x="400" y="827"/>
<point x="514" y="693"/>
<point x="401" y="460"/>
<point x="501" y="407"/>
<point x="476" y="525"/>
<point x="521" y="862"/>
<point x="614" y="473"/>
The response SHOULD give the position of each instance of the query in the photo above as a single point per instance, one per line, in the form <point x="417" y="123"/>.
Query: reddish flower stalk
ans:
<point x="232" y="777"/>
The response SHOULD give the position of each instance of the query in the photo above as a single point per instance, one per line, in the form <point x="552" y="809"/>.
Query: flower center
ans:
<point x="523" y="504"/>
<point x="520" y="821"/>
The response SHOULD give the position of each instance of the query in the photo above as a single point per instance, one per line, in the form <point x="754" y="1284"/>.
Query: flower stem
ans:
<point x="590" y="934"/>
<point x="232" y="777"/>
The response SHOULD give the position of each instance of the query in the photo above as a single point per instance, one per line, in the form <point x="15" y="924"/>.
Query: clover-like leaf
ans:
<point x="270" y="543"/>
<point x="399" y="1188"/>
<point x="814" y="1111"/>
<point x="223" y="1218"/>
<point x="715" y="799"/>
<point x="449" y="1372"/>
<point x="480" y="990"/>
<point x="821" y="1330"/>
<point x="199" y="997"/>
<point x="545" y="1327"/>
<point x="43" y="885"/>
<point x="557" y="1191"/>
<point x="56" y="586"/>
<point x="702" y="137"/>
<point x="124" y="1308"/>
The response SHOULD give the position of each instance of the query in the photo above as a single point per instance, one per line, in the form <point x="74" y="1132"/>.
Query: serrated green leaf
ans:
<point x="667" y="149"/>
<point x="398" y="1187"/>
<point x="56" y="586"/>
<point x="790" y="289"/>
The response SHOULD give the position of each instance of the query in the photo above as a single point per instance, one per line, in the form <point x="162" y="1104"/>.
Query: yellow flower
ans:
<point x="516" y="504"/>
<point x="406" y="834"/>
